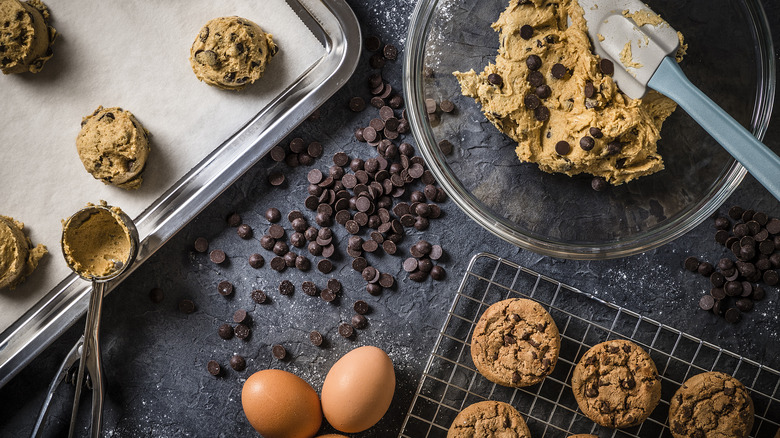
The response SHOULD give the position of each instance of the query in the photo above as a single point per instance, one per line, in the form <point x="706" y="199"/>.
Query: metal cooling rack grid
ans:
<point x="450" y="381"/>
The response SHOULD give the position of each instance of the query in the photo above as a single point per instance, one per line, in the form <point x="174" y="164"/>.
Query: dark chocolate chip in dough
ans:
<point x="533" y="62"/>
<point x="543" y="91"/>
<point x="590" y="90"/>
<point x="562" y="148"/>
<point x="542" y="114"/>
<point x="532" y="101"/>
<point x="495" y="79"/>
<point x="607" y="67"/>
<point x="558" y="71"/>
<point x="587" y="143"/>
<point x="535" y="78"/>
<point x="526" y="32"/>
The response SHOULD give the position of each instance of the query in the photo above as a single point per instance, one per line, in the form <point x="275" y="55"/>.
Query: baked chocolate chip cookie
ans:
<point x="515" y="343"/>
<point x="113" y="147"/>
<point x="711" y="404"/>
<point x="489" y="419"/>
<point x="231" y="52"/>
<point x="25" y="36"/>
<point x="616" y="384"/>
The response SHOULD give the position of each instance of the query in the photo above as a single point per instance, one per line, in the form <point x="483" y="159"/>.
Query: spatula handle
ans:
<point x="758" y="159"/>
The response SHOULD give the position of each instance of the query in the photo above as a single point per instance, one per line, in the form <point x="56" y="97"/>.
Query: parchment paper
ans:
<point x="132" y="54"/>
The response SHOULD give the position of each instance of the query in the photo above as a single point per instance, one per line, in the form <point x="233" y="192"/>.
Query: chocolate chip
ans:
<point x="241" y="316"/>
<point x="495" y="79"/>
<point x="590" y="90"/>
<point x="346" y="330"/>
<point x="533" y="62"/>
<point x="276" y="178"/>
<point x="279" y="352"/>
<point x="733" y="315"/>
<point x="558" y="71"/>
<point x="390" y="52"/>
<point x="225" y="331"/>
<point x="280" y="248"/>
<point x="258" y="296"/>
<point x="607" y="67"/>
<point x="213" y="368"/>
<point x="614" y="147"/>
<point x="543" y="91"/>
<point x="535" y="78"/>
<point x="324" y="266"/>
<point x="438" y="273"/>
<point x="242" y="331"/>
<point x="532" y="101"/>
<point x="447" y="106"/>
<point x="599" y="184"/>
<point x="587" y="143"/>
<point x="562" y="148"/>
<point x="526" y="32"/>
<point x="706" y="269"/>
<point x="244" y="231"/>
<point x="357" y="104"/>
<point x="361" y="307"/>
<point x="238" y="363"/>
<point x="771" y="277"/>
<point x="373" y="43"/>
<point x="706" y="302"/>
<point x="359" y="321"/>
<point x="225" y="288"/>
<point x="542" y="114"/>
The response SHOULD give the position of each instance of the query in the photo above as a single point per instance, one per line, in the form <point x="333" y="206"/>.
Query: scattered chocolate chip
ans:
<point x="357" y="104"/>
<point x="238" y="363"/>
<point x="242" y="331"/>
<point x="225" y="331"/>
<point x="438" y="273"/>
<point x="278" y="352"/>
<point x="346" y="330"/>
<point x="225" y="288"/>
<point x="324" y="266"/>
<point x="276" y="178"/>
<point x="213" y="368"/>
<point x="244" y="231"/>
<point x="361" y="307"/>
<point x="733" y="315"/>
<point x="201" y="244"/>
<point x="390" y="52"/>
<point x="495" y="79"/>
<point x="278" y="264"/>
<point x="315" y="338"/>
<point x="217" y="256"/>
<point x="599" y="184"/>
<point x="258" y="296"/>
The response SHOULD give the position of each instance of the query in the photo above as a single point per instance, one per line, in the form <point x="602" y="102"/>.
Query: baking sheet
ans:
<point x="132" y="54"/>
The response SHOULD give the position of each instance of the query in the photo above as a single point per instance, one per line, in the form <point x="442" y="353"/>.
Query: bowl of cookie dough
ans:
<point x="598" y="178"/>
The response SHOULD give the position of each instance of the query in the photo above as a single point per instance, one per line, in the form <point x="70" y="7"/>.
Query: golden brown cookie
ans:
<point x="711" y="404"/>
<point x="113" y="147"/>
<point x="231" y="52"/>
<point x="616" y="384"/>
<point x="25" y="36"/>
<point x="18" y="256"/>
<point x="489" y="419"/>
<point x="515" y="343"/>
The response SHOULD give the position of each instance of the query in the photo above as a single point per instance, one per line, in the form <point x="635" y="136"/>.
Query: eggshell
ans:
<point x="358" y="389"/>
<point x="279" y="404"/>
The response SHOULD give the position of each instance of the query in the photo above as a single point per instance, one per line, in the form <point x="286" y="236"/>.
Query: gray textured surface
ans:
<point x="155" y="356"/>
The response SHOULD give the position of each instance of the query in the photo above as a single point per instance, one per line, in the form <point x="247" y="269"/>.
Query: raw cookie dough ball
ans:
<point x="711" y="404"/>
<point x="25" y="36"/>
<point x="231" y="52"/>
<point x="18" y="257"/>
<point x="114" y="146"/>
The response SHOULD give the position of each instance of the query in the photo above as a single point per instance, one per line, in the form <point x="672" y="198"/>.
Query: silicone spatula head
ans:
<point x="633" y="37"/>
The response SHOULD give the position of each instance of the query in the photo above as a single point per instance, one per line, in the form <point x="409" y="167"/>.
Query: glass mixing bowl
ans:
<point x="730" y="57"/>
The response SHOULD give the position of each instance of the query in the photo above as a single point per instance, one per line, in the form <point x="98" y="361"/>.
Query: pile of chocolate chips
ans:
<point x="754" y="240"/>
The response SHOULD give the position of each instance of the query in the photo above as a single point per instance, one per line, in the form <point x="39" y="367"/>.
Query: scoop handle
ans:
<point x="758" y="159"/>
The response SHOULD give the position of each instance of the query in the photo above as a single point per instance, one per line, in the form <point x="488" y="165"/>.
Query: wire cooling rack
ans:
<point x="450" y="381"/>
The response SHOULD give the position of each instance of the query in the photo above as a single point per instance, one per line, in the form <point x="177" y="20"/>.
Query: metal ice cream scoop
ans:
<point x="87" y="348"/>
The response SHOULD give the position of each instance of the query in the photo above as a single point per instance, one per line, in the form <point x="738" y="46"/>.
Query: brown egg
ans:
<point x="279" y="404"/>
<point x="358" y="389"/>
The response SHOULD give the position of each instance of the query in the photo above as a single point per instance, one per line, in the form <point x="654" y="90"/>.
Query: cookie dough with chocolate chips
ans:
<point x="515" y="343"/>
<point x="114" y="147"/>
<point x="558" y="101"/>
<point x="616" y="384"/>
<point x="25" y="36"/>
<point x="711" y="404"/>
<point x="489" y="419"/>
<point x="18" y="256"/>
<point x="231" y="52"/>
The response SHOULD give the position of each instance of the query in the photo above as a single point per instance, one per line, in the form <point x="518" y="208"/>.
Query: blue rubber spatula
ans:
<point x="649" y="62"/>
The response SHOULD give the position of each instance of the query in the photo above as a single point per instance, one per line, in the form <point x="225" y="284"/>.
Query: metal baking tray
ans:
<point x="334" y="24"/>
<point x="450" y="381"/>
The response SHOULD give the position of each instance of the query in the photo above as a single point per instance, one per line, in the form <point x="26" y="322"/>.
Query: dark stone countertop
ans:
<point x="155" y="356"/>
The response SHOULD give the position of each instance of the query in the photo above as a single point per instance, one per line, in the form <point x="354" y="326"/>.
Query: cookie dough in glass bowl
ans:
<point x="560" y="215"/>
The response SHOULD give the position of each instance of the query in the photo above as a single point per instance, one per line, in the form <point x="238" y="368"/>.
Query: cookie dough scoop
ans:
<point x="99" y="243"/>
<point x="641" y="47"/>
